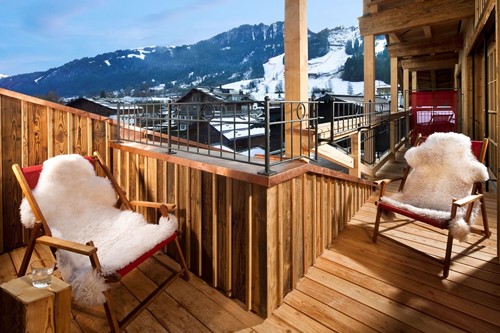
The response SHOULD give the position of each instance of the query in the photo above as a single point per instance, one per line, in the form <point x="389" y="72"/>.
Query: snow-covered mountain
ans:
<point x="325" y="72"/>
<point x="249" y="57"/>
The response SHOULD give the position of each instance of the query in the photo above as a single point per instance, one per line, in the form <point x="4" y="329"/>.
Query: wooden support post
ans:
<point x="394" y="106"/>
<point x="296" y="69"/>
<point x="406" y="89"/>
<point x="369" y="67"/>
<point x="24" y="308"/>
<point x="369" y="90"/>
<point x="414" y="81"/>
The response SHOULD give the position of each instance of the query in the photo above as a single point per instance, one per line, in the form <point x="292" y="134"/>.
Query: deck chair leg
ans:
<point x="185" y="274"/>
<point x="110" y="313"/>
<point x="37" y="230"/>
<point x="377" y="225"/>
<point x="486" y="226"/>
<point x="447" y="257"/>
<point x="484" y="214"/>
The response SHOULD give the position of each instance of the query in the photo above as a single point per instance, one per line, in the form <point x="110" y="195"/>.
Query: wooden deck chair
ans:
<point x="442" y="218"/>
<point x="479" y="149"/>
<point x="43" y="233"/>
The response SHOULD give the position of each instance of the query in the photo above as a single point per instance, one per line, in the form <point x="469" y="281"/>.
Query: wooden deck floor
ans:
<point x="355" y="286"/>
<point x="358" y="286"/>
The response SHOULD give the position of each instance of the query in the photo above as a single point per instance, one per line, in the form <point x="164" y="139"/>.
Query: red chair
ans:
<point x="476" y="194"/>
<point x="28" y="178"/>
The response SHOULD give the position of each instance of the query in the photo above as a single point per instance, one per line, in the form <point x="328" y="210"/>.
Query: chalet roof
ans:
<point x="238" y="128"/>
<point x="348" y="98"/>
<point x="219" y="94"/>
<point x="105" y="103"/>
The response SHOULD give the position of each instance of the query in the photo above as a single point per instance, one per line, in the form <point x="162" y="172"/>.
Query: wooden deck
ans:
<point x="355" y="286"/>
<point x="358" y="286"/>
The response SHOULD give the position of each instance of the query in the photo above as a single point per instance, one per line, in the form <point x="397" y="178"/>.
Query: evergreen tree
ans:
<point x="350" y="89"/>
<point x="356" y="47"/>
<point x="354" y="66"/>
<point x="348" y="48"/>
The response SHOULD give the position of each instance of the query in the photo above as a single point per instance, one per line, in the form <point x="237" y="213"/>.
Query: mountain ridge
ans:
<point x="235" y="55"/>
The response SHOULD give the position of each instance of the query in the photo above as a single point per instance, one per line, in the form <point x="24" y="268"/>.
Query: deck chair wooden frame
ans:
<point x="28" y="177"/>
<point x="479" y="149"/>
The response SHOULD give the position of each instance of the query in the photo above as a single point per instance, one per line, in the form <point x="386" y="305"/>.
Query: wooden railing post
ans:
<point x="356" y="154"/>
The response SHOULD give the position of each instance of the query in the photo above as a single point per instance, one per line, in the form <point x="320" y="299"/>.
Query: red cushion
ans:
<point x="425" y="219"/>
<point x="32" y="173"/>
<point x="476" y="148"/>
<point x="146" y="255"/>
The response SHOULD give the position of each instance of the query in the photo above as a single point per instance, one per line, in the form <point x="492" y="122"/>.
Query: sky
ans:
<point x="37" y="35"/>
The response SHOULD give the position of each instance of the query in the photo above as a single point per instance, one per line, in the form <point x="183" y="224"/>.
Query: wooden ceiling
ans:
<point x="423" y="34"/>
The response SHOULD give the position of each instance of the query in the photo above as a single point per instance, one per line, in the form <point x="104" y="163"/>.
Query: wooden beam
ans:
<point x="377" y="3"/>
<point x="426" y="46"/>
<point x="394" y="38"/>
<point x="427" y="31"/>
<point x="480" y="24"/>
<point x="430" y="62"/>
<point x="415" y="15"/>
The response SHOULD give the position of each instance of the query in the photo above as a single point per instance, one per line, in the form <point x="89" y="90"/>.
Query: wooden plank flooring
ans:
<point x="358" y="286"/>
<point x="355" y="286"/>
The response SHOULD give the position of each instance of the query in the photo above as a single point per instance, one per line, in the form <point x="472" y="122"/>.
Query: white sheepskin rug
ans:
<point x="78" y="206"/>
<point x="442" y="168"/>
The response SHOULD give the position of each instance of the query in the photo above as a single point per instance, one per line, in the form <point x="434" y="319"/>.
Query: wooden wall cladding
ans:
<point x="33" y="130"/>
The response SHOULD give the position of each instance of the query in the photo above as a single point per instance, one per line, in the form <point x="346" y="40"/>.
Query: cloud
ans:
<point x="54" y="17"/>
<point x="178" y="10"/>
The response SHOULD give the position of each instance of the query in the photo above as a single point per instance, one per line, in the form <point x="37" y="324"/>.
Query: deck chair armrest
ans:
<point x="463" y="202"/>
<point x="382" y="183"/>
<point x="67" y="245"/>
<point x="467" y="200"/>
<point x="387" y="180"/>
<point x="151" y="204"/>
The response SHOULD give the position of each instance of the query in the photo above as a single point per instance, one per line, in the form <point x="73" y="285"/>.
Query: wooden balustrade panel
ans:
<point x="11" y="134"/>
<point x="250" y="241"/>
<point x="33" y="130"/>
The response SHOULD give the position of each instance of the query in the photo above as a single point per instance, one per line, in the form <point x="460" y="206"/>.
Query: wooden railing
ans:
<point x="33" y="130"/>
<point x="249" y="235"/>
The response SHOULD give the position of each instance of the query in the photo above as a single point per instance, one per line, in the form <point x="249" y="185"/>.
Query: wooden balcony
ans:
<point x="251" y="237"/>
<point x="353" y="286"/>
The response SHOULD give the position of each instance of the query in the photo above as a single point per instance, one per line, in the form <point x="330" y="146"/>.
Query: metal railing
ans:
<point x="265" y="133"/>
<point x="372" y="119"/>
<point x="248" y="132"/>
<point x="349" y="117"/>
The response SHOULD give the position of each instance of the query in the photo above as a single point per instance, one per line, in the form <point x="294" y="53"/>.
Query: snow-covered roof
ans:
<point x="234" y="128"/>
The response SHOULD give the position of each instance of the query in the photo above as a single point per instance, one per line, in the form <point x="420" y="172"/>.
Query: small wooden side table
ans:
<point x="24" y="308"/>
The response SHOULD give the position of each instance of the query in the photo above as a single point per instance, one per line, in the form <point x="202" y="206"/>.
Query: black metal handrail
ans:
<point x="264" y="133"/>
